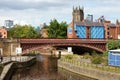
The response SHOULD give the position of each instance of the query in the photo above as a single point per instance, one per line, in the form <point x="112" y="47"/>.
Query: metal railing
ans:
<point x="15" y="58"/>
<point x="93" y="66"/>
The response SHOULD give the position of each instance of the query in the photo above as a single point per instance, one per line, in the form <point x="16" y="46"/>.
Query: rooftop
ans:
<point x="116" y="50"/>
<point x="88" y="23"/>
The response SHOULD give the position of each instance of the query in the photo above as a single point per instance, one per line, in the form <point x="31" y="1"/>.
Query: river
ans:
<point x="46" y="68"/>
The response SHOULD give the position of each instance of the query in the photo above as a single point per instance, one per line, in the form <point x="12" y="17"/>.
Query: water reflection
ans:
<point x="46" y="69"/>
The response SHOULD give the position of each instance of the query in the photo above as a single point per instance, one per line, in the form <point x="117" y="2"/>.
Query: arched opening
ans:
<point x="80" y="50"/>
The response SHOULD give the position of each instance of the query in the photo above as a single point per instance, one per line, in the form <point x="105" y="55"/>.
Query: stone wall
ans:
<point x="8" y="46"/>
<point x="100" y="75"/>
<point x="7" y="73"/>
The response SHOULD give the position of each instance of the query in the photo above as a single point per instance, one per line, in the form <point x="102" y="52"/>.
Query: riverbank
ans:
<point x="9" y="68"/>
<point x="46" y="68"/>
<point x="86" y="71"/>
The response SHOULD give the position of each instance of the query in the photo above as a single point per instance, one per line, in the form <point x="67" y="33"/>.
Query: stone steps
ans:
<point x="5" y="71"/>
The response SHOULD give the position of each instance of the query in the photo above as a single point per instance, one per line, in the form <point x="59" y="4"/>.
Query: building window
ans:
<point x="4" y="32"/>
<point x="108" y="28"/>
<point x="108" y="33"/>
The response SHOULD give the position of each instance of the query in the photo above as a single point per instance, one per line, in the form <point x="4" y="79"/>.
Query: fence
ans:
<point x="15" y="58"/>
<point x="93" y="66"/>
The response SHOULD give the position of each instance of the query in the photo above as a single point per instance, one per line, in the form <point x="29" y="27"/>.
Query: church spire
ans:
<point x="78" y="14"/>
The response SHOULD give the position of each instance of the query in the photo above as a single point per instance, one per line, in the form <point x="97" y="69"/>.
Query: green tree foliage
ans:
<point x="69" y="56"/>
<point x="113" y="44"/>
<point x="26" y="31"/>
<point x="57" y="30"/>
<point x="87" y="55"/>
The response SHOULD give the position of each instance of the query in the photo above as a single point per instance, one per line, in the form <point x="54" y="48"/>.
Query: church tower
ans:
<point x="78" y="14"/>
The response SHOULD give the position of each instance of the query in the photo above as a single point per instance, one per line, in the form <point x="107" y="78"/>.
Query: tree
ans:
<point x="57" y="30"/>
<point x="26" y="31"/>
<point x="113" y="44"/>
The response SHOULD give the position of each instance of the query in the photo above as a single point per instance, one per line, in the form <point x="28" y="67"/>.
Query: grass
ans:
<point x="74" y="61"/>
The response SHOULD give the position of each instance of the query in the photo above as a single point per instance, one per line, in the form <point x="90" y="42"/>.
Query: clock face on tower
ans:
<point x="70" y="30"/>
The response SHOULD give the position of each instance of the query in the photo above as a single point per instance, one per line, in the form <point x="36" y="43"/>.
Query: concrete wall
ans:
<point x="101" y="75"/>
<point x="6" y="74"/>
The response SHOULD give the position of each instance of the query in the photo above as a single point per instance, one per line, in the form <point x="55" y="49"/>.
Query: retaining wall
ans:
<point x="7" y="75"/>
<point x="97" y="74"/>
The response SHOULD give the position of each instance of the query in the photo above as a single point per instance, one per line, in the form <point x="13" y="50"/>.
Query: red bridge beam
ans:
<point x="55" y="41"/>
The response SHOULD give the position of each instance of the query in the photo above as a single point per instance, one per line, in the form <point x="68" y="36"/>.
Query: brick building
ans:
<point x="112" y="31"/>
<point x="3" y="32"/>
<point x="81" y="28"/>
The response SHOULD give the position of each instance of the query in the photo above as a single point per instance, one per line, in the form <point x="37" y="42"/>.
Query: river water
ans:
<point x="46" y="68"/>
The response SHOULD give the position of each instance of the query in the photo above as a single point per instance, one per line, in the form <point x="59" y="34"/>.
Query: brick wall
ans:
<point x="3" y="32"/>
<point x="71" y="33"/>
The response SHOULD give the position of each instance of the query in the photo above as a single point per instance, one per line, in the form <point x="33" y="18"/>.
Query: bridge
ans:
<point x="45" y="44"/>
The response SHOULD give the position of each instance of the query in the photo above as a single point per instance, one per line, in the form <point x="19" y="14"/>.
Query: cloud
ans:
<point x="31" y="4"/>
<point x="36" y="12"/>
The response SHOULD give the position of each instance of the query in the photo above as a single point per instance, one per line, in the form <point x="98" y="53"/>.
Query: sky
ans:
<point x="36" y="12"/>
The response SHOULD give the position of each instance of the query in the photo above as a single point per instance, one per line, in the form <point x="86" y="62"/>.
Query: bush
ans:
<point x="105" y="58"/>
<point x="113" y="44"/>
<point x="94" y="54"/>
<point x="96" y="60"/>
<point x="69" y="56"/>
<point x="105" y="54"/>
<point x="87" y="56"/>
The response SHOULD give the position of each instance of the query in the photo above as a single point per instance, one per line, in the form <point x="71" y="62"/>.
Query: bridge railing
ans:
<point x="62" y="40"/>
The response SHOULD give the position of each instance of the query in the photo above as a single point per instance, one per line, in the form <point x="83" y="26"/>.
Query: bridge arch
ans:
<point x="86" y="48"/>
<point x="98" y="45"/>
<point x="76" y="48"/>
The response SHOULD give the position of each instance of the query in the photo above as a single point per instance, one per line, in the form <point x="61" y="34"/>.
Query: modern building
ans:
<point x="114" y="57"/>
<point x="86" y="30"/>
<point x="8" y="23"/>
<point x="89" y="18"/>
<point x="102" y="29"/>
